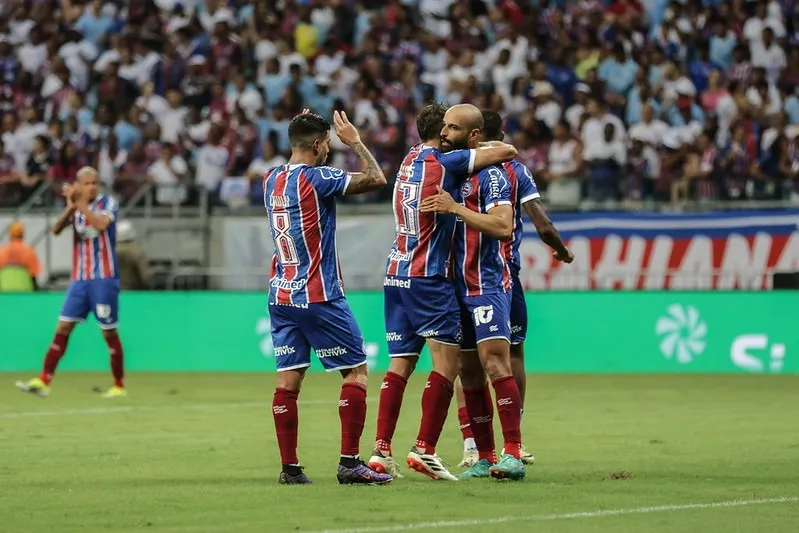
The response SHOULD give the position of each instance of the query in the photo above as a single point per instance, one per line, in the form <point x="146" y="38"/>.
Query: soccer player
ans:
<point x="420" y="304"/>
<point x="306" y="297"/>
<point x="95" y="279"/>
<point x="483" y="281"/>
<point x="526" y="199"/>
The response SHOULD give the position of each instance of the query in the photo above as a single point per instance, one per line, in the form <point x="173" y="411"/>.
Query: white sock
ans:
<point x="469" y="445"/>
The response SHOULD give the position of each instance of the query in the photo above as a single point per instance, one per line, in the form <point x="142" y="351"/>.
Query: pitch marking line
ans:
<point x="563" y="516"/>
<point x="142" y="409"/>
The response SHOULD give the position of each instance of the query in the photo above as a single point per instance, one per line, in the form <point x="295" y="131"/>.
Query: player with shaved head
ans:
<point x="420" y="303"/>
<point x="482" y="275"/>
<point x="525" y="197"/>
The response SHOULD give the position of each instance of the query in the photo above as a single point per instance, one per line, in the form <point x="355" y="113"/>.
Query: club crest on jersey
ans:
<point x="466" y="189"/>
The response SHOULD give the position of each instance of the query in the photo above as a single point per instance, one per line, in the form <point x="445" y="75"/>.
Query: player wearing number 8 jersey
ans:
<point x="306" y="298"/>
<point x="420" y="305"/>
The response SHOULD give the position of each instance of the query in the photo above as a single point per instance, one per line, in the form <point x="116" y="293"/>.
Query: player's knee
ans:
<point x="497" y="367"/>
<point x="109" y="334"/>
<point x="517" y="351"/>
<point x="290" y="380"/>
<point x="403" y="366"/>
<point x="359" y="374"/>
<point x="65" y="328"/>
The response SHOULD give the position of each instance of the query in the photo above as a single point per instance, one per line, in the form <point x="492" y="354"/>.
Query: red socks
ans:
<point x="284" y="409"/>
<point x="435" y="407"/>
<point x="54" y="354"/>
<point x="352" y="412"/>
<point x="510" y="415"/>
<point x="481" y="418"/>
<point x="391" y="392"/>
<point x="466" y="427"/>
<point x="117" y="360"/>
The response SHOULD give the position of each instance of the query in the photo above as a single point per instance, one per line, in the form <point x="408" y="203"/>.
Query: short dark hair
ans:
<point x="492" y="126"/>
<point x="430" y="121"/>
<point x="306" y="128"/>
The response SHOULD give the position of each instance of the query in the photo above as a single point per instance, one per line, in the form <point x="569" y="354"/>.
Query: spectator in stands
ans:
<point x="19" y="264"/>
<point x="134" y="268"/>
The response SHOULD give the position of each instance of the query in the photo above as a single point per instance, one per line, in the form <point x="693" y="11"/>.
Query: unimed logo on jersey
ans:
<point x="483" y="314"/>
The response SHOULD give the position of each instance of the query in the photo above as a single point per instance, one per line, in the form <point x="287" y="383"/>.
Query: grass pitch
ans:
<point x="197" y="453"/>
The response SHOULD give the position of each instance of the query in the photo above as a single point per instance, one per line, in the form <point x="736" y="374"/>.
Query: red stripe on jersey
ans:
<point x="75" y="256"/>
<point x="283" y="296"/>
<point x="88" y="264"/>
<point x="105" y="259"/>
<point x="312" y="235"/>
<point x="432" y="173"/>
<point x="472" y="243"/>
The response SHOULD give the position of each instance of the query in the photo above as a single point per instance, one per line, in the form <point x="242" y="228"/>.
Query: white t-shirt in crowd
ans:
<point x="172" y="122"/>
<point x="650" y="133"/>
<point x="601" y="149"/>
<point x="168" y="177"/>
<point x="211" y="166"/>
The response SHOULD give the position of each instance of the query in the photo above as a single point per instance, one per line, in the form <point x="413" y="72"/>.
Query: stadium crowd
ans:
<point x="606" y="101"/>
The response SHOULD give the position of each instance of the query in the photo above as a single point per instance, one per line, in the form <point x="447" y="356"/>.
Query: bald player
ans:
<point x="524" y="193"/>
<point x="481" y="271"/>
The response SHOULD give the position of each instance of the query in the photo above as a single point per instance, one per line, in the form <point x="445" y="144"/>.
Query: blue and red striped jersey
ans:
<point x="524" y="188"/>
<point x="423" y="240"/>
<point x="94" y="253"/>
<point x="480" y="262"/>
<point x="300" y="202"/>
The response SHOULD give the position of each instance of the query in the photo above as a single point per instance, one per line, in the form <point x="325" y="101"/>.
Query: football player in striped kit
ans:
<point x="95" y="280"/>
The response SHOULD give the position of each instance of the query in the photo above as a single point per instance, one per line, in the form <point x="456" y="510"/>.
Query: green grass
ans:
<point x="197" y="453"/>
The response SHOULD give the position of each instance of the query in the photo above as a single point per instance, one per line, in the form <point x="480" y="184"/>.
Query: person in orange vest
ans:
<point x="17" y="253"/>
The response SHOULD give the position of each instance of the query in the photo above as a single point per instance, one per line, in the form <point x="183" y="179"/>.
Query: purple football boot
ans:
<point x="361" y="474"/>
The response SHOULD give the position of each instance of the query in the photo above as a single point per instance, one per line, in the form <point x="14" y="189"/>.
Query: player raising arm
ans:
<point x="525" y="197"/>
<point x="95" y="279"/>
<point x="482" y="278"/>
<point x="420" y="304"/>
<point x="306" y="299"/>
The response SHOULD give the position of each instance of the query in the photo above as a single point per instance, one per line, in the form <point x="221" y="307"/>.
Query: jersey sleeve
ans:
<point x="111" y="209"/>
<point x="329" y="181"/>
<point x="494" y="188"/>
<point x="528" y="190"/>
<point x="458" y="161"/>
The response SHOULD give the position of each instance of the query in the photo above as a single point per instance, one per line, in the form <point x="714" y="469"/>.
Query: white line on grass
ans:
<point x="562" y="516"/>
<point x="140" y="409"/>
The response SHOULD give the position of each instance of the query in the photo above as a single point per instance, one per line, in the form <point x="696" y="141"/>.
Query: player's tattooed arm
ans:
<point x="65" y="218"/>
<point x="493" y="153"/>
<point x="99" y="221"/>
<point x="546" y="230"/>
<point x="371" y="178"/>
<point x="497" y="223"/>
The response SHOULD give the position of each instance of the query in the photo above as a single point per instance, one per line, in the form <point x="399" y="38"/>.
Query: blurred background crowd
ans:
<point x="609" y="102"/>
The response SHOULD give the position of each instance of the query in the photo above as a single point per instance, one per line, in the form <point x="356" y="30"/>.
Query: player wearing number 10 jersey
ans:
<point x="420" y="305"/>
<point x="306" y="299"/>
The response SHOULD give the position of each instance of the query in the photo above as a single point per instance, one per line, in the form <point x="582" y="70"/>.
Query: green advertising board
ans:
<point x="599" y="332"/>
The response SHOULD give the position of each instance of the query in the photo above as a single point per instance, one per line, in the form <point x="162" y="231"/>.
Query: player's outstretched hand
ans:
<point x="439" y="203"/>
<point x="568" y="257"/>
<point x="344" y="129"/>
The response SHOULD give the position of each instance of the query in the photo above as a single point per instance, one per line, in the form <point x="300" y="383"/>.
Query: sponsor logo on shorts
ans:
<point x="331" y="352"/>
<point x="493" y="329"/>
<point x="429" y="333"/>
<point x="516" y="329"/>
<point x="396" y="256"/>
<point x="393" y="337"/>
<point x="396" y="282"/>
<point x="288" y="284"/>
<point x="284" y="350"/>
